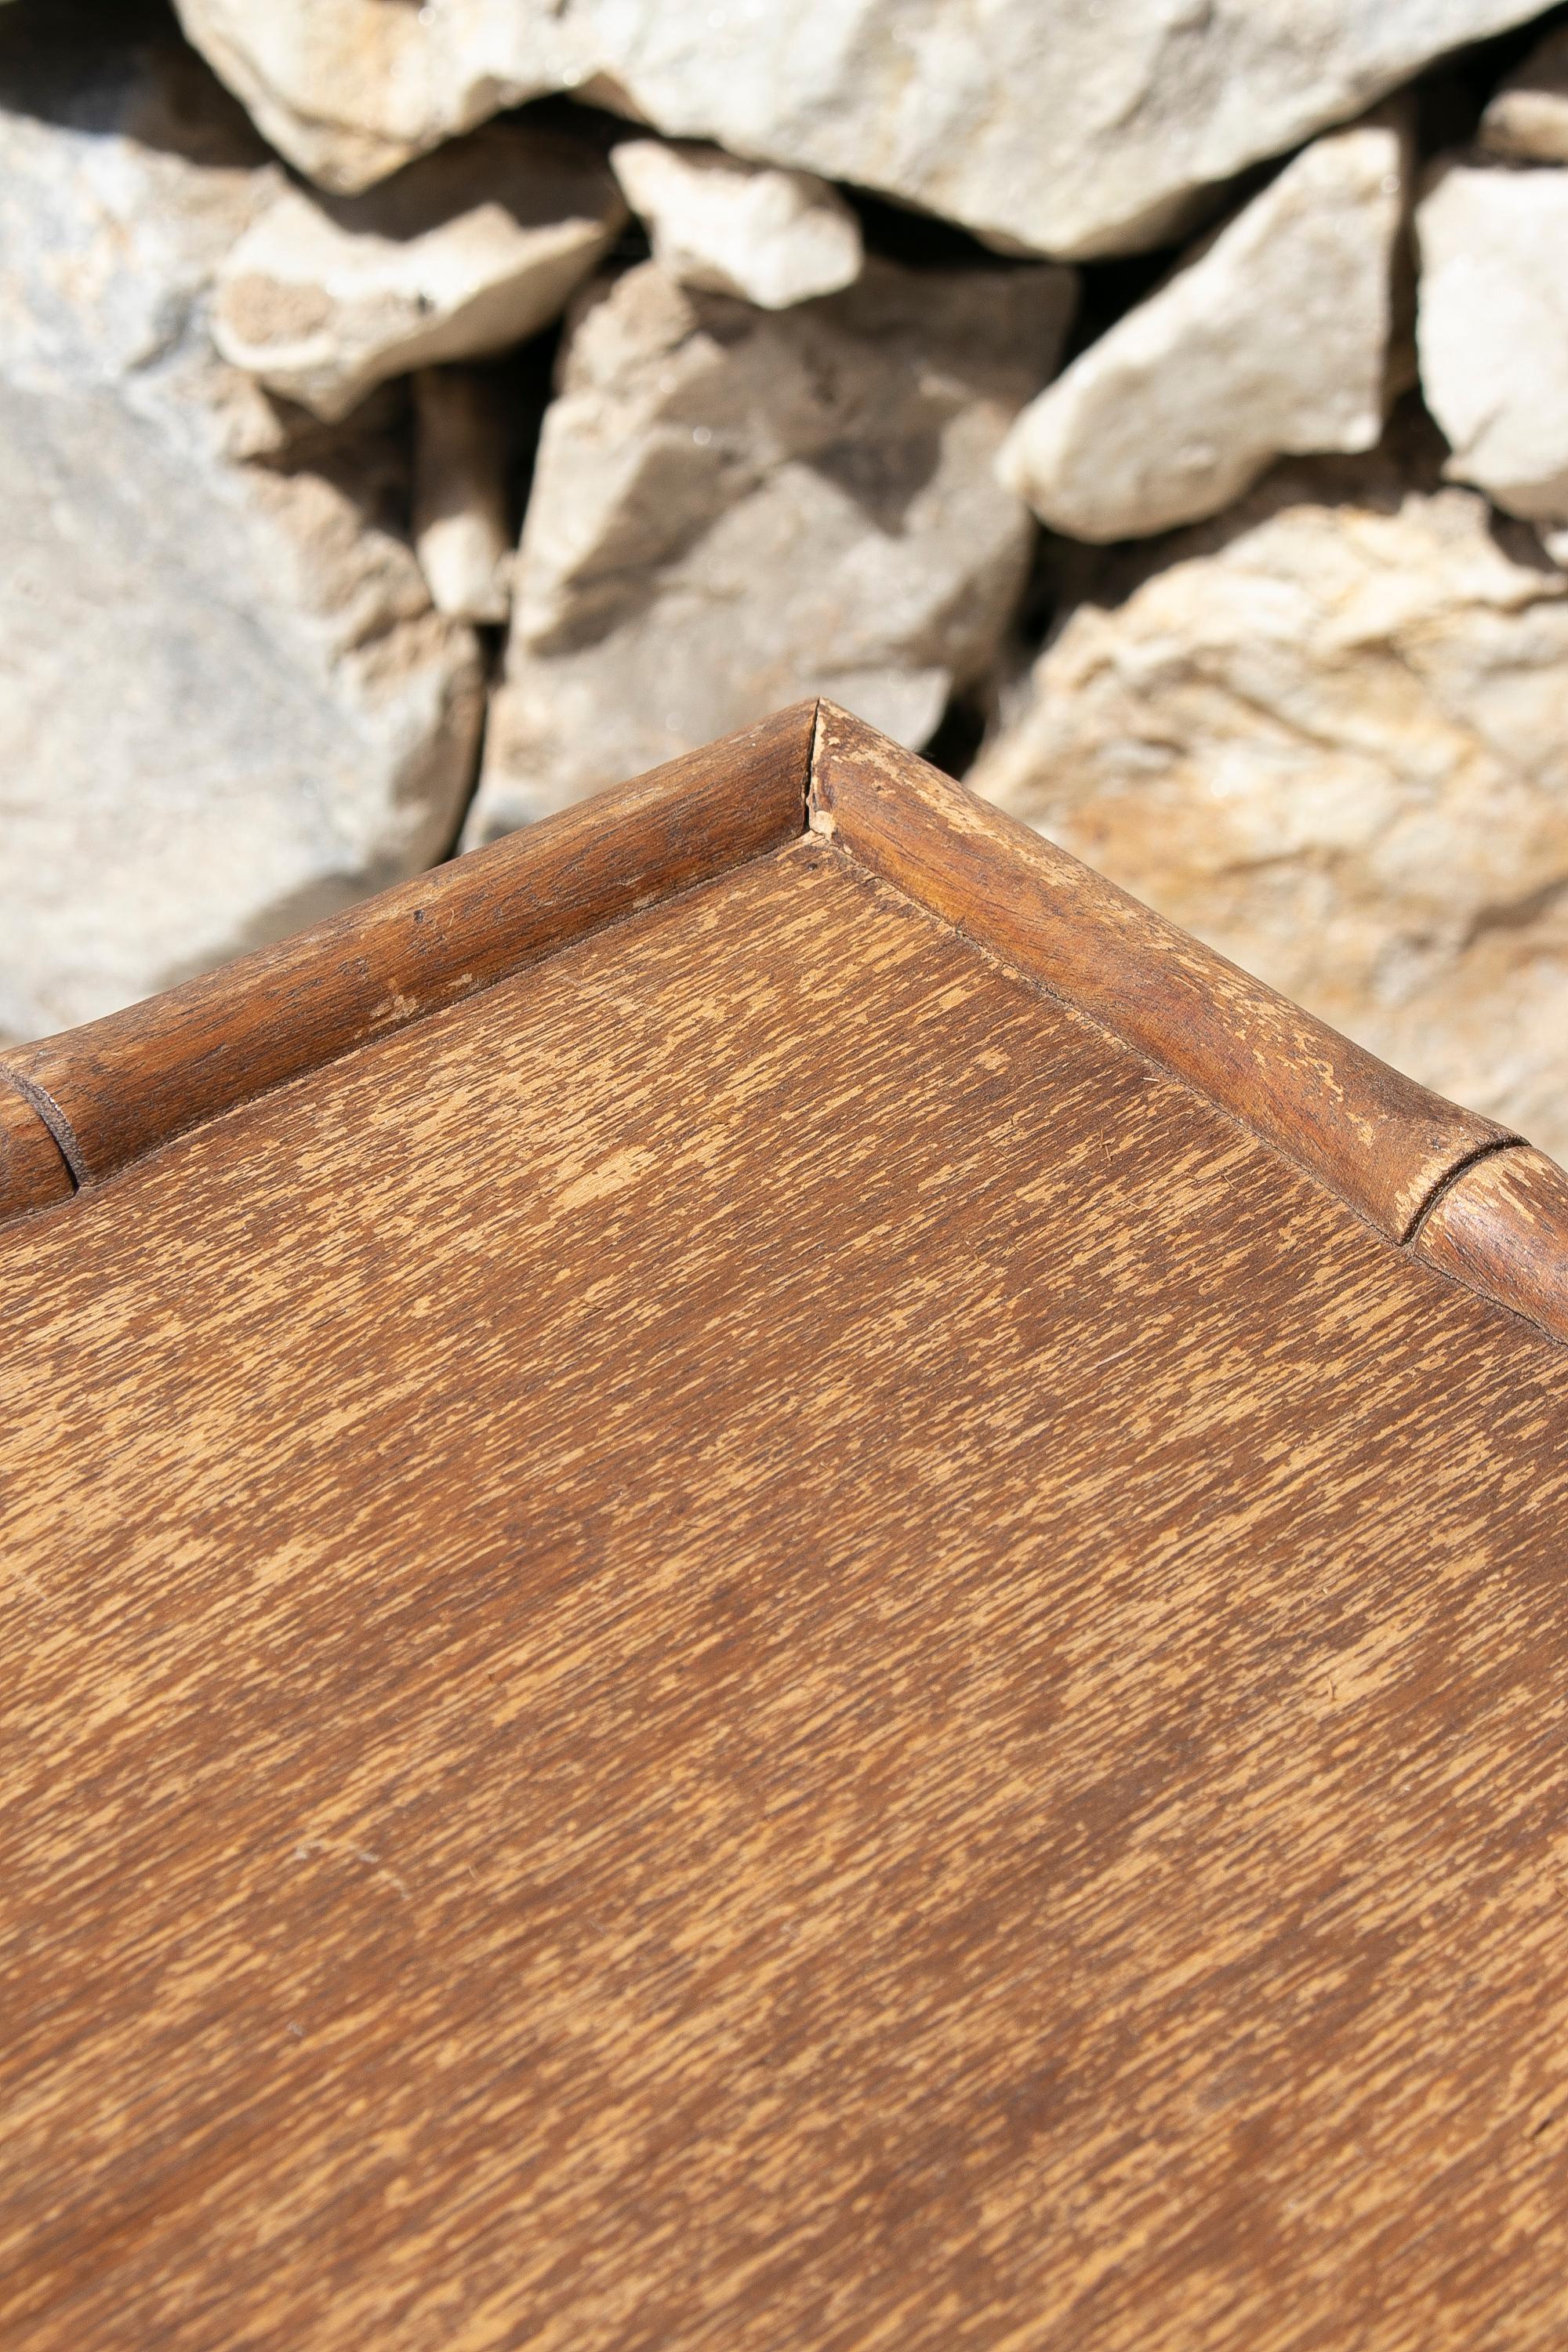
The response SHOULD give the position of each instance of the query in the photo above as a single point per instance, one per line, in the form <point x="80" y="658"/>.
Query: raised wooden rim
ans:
<point x="1466" y="1196"/>
<point x="114" y="1090"/>
<point x="1501" y="1227"/>
<point x="33" y="1171"/>
<point x="1389" y="1147"/>
<point x="1373" y="1136"/>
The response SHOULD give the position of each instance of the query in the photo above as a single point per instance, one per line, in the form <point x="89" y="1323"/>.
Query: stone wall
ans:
<point x="414" y="416"/>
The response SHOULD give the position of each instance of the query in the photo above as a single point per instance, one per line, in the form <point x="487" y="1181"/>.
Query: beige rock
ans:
<point x="735" y="507"/>
<point x="1492" y="330"/>
<point x="464" y="253"/>
<point x="351" y="89"/>
<point x="1328" y="736"/>
<point x="1273" y="339"/>
<point x="460" y="533"/>
<point x="225" y="704"/>
<point x="1077" y="131"/>
<point x="1527" y="121"/>
<point x="772" y="238"/>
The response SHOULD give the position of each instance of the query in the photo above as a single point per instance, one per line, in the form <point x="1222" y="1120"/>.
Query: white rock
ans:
<point x="1328" y="736"/>
<point x="1527" y="121"/>
<point x="735" y="507"/>
<point x="466" y="252"/>
<point x="225" y="705"/>
<point x="772" y="238"/>
<point x="460" y="533"/>
<point x="1076" y="130"/>
<point x="1492" y="330"/>
<point x="351" y="89"/>
<point x="1273" y="339"/>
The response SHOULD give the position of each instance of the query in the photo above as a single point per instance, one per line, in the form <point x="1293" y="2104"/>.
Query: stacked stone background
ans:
<point x="416" y="413"/>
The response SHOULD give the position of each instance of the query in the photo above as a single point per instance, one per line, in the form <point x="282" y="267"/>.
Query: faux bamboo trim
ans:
<point x="122" y="1085"/>
<point x="33" y="1170"/>
<point x="1464" y="1195"/>
<point x="1383" y="1144"/>
<point x="1502" y="1227"/>
<point x="1370" y="1134"/>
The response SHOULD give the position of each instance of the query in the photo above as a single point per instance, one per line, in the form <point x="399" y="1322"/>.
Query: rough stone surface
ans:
<point x="461" y="534"/>
<point x="1492" y="330"/>
<point x="1326" y="736"/>
<point x="1076" y="129"/>
<point x="351" y="89"/>
<point x="1527" y="121"/>
<point x="464" y="253"/>
<point x="736" y="506"/>
<point x="771" y="237"/>
<point x="225" y="704"/>
<point x="1272" y="340"/>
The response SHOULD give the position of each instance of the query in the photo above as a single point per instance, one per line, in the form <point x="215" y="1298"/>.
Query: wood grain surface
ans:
<point x="116" y="1088"/>
<point x="32" y="1172"/>
<point x="1371" y="1134"/>
<point x="112" y="1091"/>
<point x="1502" y="1227"/>
<point x="750" y="1645"/>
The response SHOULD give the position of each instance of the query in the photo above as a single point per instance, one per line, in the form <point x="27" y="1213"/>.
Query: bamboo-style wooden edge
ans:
<point x="1466" y="1196"/>
<point x="114" y="1090"/>
<point x="1459" y="1191"/>
<point x="1503" y="1228"/>
<point x="34" y="1171"/>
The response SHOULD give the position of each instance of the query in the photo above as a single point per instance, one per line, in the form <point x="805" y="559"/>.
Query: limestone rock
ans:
<point x="351" y="89"/>
<point x="1078" y="132"/>
<point x="1492" y="330"/>
<point x="460" y="533"/>
<point x="772" y="238"/>
<point x="464" y="253"/>
<point x="225" y="705"/>
<point x="1327" y="735"/>
<point x="1527" y="121"/>
<point x="735" y="507"/>
<point x="1272" y="340"/>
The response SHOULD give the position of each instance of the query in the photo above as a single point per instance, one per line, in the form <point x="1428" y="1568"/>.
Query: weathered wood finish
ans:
<point x="1502" y="1227"/>
<point x="1371" y="1134"/>
<point x="119" y="1087"/>
<point x="32" y="1172"/>
<point x="752" y="1646"/>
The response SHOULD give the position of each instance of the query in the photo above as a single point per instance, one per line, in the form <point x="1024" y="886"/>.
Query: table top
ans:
<point x="751" y="1641"/>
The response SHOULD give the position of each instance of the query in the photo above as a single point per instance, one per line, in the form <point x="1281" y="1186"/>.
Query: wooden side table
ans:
<point x="775" y="1582"/>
